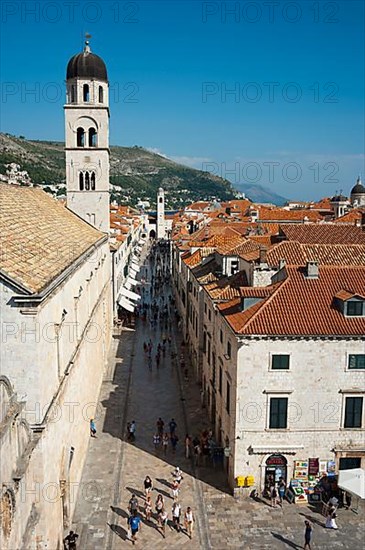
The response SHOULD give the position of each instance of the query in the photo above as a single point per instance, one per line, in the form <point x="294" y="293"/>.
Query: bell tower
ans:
<point x="161" y="229"/>
<point x="87" y="138"/>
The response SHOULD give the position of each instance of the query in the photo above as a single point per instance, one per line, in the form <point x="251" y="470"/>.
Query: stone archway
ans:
<point x="152" y="234"/>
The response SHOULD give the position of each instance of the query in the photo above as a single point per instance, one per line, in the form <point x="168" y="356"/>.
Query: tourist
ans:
<point x="307" y="535"/>
<point x="331" y="517"/>
<point x="281" y="490"/>
<point x="175" y="489"/>
<point x="132" y="431"/>
<point x="187" y="445"/>
<point x="189" y="522"/>
<point x="159" y="503"/>
<point x="133" y="505"/>
<point x="176" y="512"/>
<point x="165" y="442"/>
<point x="177" y="475"/>
<point x="147" y="486"/>
<point x="92" y="428"/>
<point x="172" y="426"/>
<point x="174" y="439"/>
<point x="162" y="520"/>
<point x="273" y="495"/>
<point x="156" y="441"/>
<point x="160" y="424"/>
<point x="134" y="523"/>
<point x="70" y="540"/>
<point x="148" y="508"/>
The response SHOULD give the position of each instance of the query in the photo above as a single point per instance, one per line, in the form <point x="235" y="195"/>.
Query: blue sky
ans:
<point x="260" y="92"/>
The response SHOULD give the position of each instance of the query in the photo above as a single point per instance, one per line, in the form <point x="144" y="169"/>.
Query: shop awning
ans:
<point x="132" y="272"/>
<point x="129" y="294"/>
<point x="135" y="266"/>
<point x="126" y="304"/>
<point x="131" y="281"/>
<point x="352" y="481"/>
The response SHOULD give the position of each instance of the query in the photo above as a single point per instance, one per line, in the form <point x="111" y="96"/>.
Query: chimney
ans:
<point x="228" y="210"/>
<point x="312" y="271"/>
<point x="281" y="264"/>
<point x="263" y="254"/>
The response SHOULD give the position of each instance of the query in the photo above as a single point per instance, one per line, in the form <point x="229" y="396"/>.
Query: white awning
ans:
<point x="141" y="241"/>
<point x="132" y="281"/>
<point x="132" y="272"/>
<point x="129" y="294"/>
<point x="135" y="266"/>
<point x="126" y="304"/>
<point x="352" y="481"/>
<point x="128" y="285"/>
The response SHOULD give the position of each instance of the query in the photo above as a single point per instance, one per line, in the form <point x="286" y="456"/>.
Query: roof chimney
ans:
<point x="281" y="263"/>
<point x="263" y="254"/>
<point x="312" y="271"/>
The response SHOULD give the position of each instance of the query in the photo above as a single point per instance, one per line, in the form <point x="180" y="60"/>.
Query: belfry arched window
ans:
<point x="92" y="181"/>
<point x="92" y="137"/>
<point x="87" y="181"/>
<point x="81" y="181"/>
<point x="101" y="94"/>
<point x="86" y="93"/>
<point x="80" y="137"/>
<point x="73" y="94"/>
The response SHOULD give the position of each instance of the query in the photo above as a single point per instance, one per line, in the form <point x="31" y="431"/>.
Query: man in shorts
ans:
<point x="134" y="523"/>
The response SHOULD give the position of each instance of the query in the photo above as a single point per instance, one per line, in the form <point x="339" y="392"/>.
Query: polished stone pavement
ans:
<point x="115" y="468"/>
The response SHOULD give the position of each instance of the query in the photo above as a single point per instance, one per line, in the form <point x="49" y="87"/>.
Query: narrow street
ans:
<point x="115" y="468"/>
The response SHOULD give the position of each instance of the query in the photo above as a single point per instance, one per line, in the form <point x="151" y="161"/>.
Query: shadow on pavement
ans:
<point x="118" y="530"/>
<point x="286" y="541"/>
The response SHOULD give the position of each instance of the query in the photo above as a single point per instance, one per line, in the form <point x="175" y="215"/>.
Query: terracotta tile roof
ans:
<point x="200" y="205"/>
<point x="194" y="259"/>
<point x="351" y="217"/>
<point x="326" y="233"/>
<point x="227" y="288"/>
<point x="299" y="306"/>
<point x="346" y="295"/>
<point x="280" y="214"/>
<point x="39" y="237"/>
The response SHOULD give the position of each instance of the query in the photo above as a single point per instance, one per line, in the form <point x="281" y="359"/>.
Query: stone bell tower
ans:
<point x="87" y="138"/>
<point x="161" y="229"/>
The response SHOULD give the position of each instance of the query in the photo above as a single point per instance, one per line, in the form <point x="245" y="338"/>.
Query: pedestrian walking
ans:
<point x="159" y="503"/>
<point x="70" y="541"/>
<point x="165" y="443"/>
<point x="177" y="475"/>
<point x="281" y="490"/>
<point x="187" y="445"/>
<point x="160" y="425"/>
<point x="307" y="535"/>
<point x="132" y="431"/>
<point x="331" y="518"/>
<point x="172" y="426"/>
<point x="175" y="490"/>
<point x="162" y="520"/>
<point x="176" y="512"/>
<point x="174" y="439"/>
<point x="134" y="523"/>
<point x="189" y="522"/>
<point x="148" y="508"/>
<point x="273" y="495"/>
<point x="156" y="441"/>
<point x="92" y="428"/>
<point x="133" y="505"/>
<point x="148" y="486"/>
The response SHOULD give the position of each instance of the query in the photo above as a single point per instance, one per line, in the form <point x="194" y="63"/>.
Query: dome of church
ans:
<point x="86" y="65"/>
<point x="358" y="188"/>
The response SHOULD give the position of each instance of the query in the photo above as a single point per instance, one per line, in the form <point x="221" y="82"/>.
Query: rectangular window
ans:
<point x="220" y="380"/>
<point x="205" y="308"/>
<point x="278" y="412"/>
<point x="357" y="361"/>
<point x="221" y="337"/>
<point x="209" y="315"/>
<point x="354" y="309"/>
<point x="353" y="412"/>
<point x="208" y="355"/>
<point x="228" y="397"/>
<point x="280" y="362"/>
<point x="229" y="349"/>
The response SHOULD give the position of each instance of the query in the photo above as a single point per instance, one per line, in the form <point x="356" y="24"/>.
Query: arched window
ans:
<point x="101" y="94"/>
<point x="92" y="181"/>
<point x="92" y="137"/>
<point x="73" y="93"/>
<point x="86" y="93"/>
<point x="81" y="181"/>
<point x="160" y="199"/>
<point x="80" y="137"/>
<point x="87" y="181"/>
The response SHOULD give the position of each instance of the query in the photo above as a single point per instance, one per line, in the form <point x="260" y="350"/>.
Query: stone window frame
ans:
<point x="270" y="369"/>
<point x="350" y="393"/>
<point x="347" y="368"/>
<point x="277" y="394"/>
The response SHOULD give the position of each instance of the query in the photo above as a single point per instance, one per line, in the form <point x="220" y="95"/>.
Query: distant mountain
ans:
<point x="257" y="193"/>
<point x="135" y="173"/>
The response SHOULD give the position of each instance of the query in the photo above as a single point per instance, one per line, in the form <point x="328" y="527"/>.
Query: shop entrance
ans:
<point x="276" y="467"/>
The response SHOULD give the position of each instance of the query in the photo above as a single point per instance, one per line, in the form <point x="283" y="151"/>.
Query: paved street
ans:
<point x="115" y="469"/>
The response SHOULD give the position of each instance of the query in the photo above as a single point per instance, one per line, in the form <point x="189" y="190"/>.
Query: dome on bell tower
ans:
<point x="86" y="65"/>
